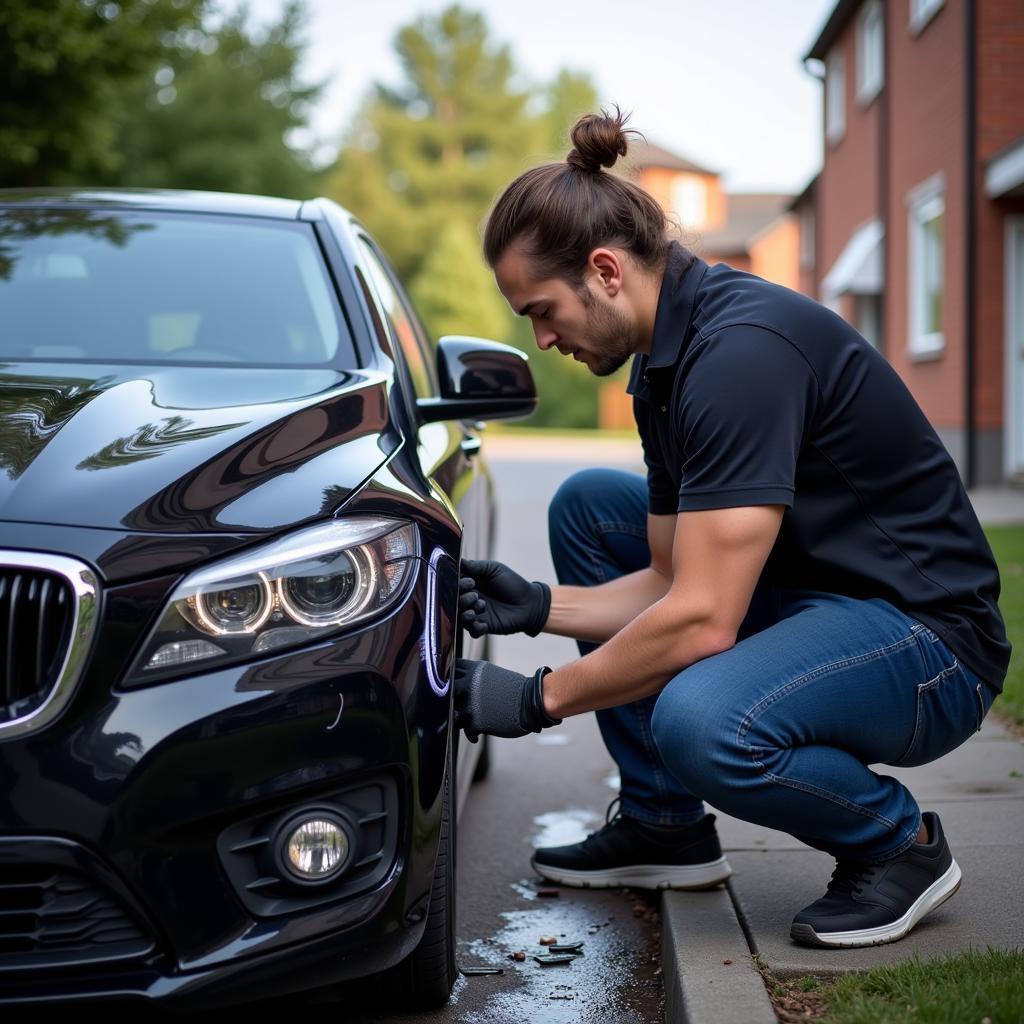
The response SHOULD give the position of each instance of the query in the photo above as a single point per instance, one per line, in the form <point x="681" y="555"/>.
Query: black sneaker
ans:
<point x="868" y="904"/>
<point x="633" y="853"/>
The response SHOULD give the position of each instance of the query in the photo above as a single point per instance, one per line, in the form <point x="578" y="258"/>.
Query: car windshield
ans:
<point x="148" y="287"/>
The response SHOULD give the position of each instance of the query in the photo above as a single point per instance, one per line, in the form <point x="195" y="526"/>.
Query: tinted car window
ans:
<point x="403" y="328"/>
<point x="166" y="288"/>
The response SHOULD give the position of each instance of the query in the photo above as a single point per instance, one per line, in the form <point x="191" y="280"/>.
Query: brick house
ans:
<point x="913" y="230"/>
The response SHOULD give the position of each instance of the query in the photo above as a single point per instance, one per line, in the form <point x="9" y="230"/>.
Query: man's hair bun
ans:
<point x="598" y="141"/>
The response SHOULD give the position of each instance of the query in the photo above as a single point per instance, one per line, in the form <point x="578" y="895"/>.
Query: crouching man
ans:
<point x="798" y="588"/>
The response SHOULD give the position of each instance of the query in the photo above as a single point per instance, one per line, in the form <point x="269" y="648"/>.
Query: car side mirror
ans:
<point x="480" y="380"/>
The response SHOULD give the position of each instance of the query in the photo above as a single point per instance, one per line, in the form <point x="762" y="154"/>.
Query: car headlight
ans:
<point x="294" y="590"/>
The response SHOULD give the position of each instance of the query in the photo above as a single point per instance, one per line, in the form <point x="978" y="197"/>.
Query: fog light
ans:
<point x="316" y="849"/>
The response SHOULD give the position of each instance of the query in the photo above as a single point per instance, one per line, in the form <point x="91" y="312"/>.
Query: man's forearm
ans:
<point x="636" y="662"/>
<point x="597" y="613"/>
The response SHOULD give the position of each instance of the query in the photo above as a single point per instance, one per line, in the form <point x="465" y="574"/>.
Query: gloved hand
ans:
<point x="494" y="599"/>
<point x="497" y="701"/>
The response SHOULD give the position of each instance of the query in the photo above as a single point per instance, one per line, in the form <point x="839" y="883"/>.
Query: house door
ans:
<point x="1014" y="305"/>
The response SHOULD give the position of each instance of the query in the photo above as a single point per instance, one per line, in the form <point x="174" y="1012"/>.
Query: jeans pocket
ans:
<point x="950" y="708"/>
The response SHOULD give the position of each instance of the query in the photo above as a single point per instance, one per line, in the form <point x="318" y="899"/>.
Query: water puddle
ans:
<point x="612" y="980"/>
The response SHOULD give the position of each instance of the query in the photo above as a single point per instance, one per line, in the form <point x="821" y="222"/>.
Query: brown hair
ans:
<point x="559" y="213"/>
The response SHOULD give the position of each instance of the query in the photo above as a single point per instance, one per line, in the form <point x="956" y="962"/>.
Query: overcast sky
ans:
<point x="717" y="81"/>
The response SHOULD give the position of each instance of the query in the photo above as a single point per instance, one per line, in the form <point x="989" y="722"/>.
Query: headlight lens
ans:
<point x="292" y="591"/>
<point x="318" y="595"/>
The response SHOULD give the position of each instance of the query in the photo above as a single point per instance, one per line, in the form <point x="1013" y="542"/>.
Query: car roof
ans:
<point x="154" y="198"/>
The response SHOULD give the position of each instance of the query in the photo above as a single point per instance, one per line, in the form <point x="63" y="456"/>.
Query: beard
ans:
<point x="609" y="334"/>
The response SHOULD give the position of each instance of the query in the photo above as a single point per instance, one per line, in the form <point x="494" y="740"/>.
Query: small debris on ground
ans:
<point x="548" y="940"/>
<point x="519" y="956"/>
<point x="557" y="958"/>
<point x="566" y="947"/>
<point x="727" y="962"/>
<point x="471" y="972"/>
<point x="548" y="893"/>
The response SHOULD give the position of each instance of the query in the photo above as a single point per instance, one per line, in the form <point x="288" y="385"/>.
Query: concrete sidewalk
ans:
<point x="978" y="792"/>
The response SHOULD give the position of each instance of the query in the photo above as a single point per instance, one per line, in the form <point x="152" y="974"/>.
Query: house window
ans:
<point x="870" y="48"/>
<point x="835" y="98"/>
<point x="690" y="201"/>
<point x="922" y="11"/>
<point x="925" y="272"/>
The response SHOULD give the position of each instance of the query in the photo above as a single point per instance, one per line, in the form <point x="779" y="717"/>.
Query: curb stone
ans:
<point x="699" y="933"/>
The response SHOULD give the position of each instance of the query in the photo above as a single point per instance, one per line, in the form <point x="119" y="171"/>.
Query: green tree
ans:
<point x="455" y="292"/>
<point x="423" y="161"/>
<point x="218" y="114"/>
<point x="438" y="147"/>
<point x="63" y="65"/>
<point x="570" y="94"/>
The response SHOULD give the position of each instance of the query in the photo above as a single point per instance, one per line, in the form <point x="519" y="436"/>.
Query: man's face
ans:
<point x="582" y="323"/>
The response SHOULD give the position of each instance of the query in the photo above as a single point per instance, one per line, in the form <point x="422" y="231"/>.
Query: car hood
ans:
<point x="186" y="449"/>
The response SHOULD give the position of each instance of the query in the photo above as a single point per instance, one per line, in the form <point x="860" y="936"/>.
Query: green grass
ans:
<point x="966" y="989"/>
<point x="1008" y="547"/>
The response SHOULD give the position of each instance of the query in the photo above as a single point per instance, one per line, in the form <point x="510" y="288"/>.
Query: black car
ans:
<point x="236" y="482"/>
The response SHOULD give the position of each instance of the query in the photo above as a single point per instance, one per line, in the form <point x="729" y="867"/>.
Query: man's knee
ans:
<point x="576" y="500"/>
<point x="697" y="738"/>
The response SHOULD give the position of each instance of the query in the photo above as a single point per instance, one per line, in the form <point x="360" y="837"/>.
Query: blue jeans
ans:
<point x="781" y="728"/>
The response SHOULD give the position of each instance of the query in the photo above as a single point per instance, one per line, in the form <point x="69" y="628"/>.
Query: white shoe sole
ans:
<point x="641" y="876"/>
<point x="936" y="894"/>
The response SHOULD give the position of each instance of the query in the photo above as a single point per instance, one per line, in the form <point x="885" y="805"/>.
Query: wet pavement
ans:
<point x="542" y="793"/>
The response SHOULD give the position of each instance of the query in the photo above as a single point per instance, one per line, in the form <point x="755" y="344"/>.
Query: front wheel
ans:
<point x="424" y="979"/>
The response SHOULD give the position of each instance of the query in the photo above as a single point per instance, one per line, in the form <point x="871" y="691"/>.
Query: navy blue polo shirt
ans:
<point x="754" y="394"/>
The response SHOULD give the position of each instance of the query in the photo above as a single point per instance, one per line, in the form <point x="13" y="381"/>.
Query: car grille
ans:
<point x="48" y="606"/>
<point x="36" y="621"/>
<point x="51" y="916"/>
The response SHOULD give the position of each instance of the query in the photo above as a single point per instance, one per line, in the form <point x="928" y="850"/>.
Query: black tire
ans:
<point x="424" y="979"/>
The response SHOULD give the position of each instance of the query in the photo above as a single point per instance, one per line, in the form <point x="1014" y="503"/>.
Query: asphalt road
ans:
<point x="542" y="790"/>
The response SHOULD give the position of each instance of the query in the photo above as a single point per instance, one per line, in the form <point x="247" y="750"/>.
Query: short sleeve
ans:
<point x="745" y="408"/>
<point x="662" y="493"/>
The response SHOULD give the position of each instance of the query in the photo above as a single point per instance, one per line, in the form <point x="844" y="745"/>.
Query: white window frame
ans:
<point x="870" y="52"/>
<point x="835" y="97"/>
<point x="924" y="203"/>
<point x="921" y="12"/>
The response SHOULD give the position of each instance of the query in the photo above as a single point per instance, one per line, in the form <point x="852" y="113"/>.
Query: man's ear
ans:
<point x="606" y="264"/>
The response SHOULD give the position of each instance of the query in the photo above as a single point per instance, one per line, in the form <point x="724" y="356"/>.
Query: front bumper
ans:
<point x="140" y="795"/>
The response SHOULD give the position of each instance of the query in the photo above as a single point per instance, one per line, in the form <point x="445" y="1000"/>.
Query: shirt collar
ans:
<point x="679" y="283"/>
<point x="683" y="274"/>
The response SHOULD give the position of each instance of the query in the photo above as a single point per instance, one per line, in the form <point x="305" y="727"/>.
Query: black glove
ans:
<point x="498" y="702"/>
<point x="494" y="599"/>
